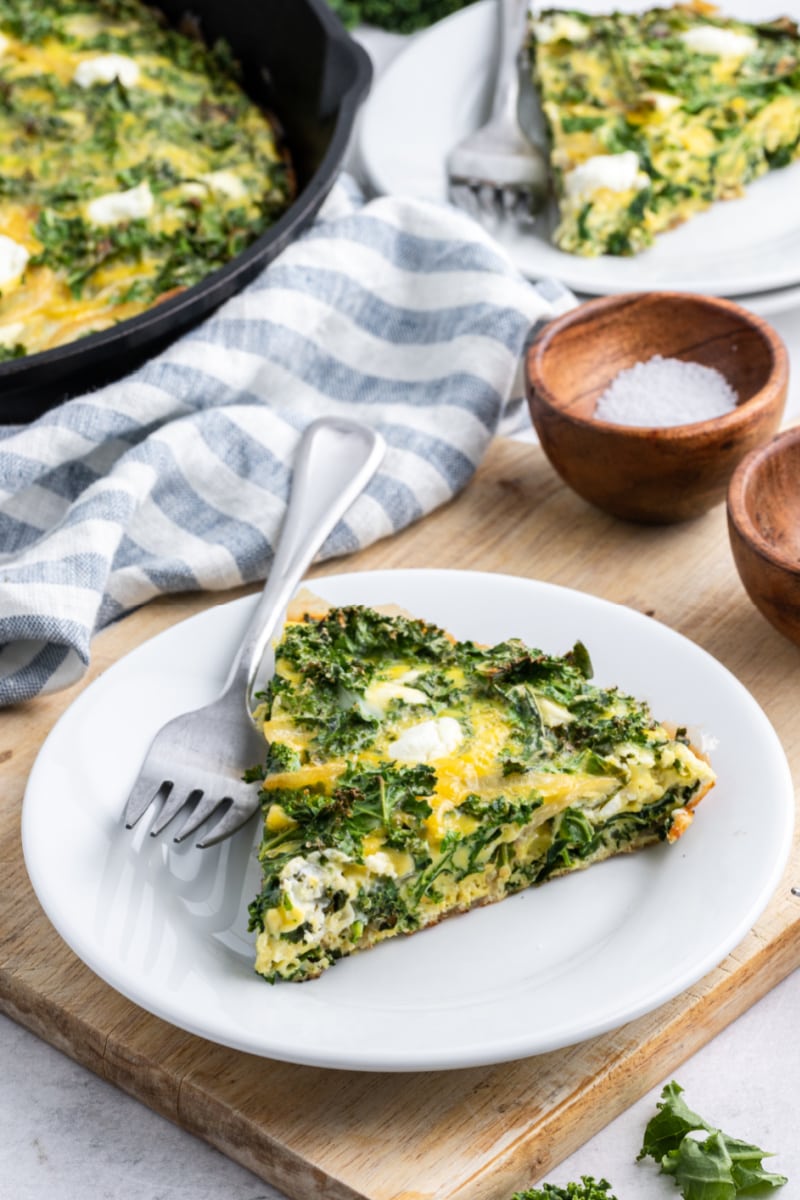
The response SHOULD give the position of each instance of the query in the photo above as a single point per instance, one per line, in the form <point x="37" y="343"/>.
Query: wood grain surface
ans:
<point x="474" y="1134"/>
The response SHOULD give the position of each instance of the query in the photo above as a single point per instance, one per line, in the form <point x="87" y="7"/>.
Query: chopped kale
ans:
<point x="384" y="907"/>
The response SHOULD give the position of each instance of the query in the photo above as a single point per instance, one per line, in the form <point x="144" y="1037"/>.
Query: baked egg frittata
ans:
<point x="654" y="116"/>
<point x="410" y="776"/>
<point x="133" y="164"/>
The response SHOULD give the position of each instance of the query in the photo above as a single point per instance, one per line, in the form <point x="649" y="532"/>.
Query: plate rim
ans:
<point x="490" y="1052"/>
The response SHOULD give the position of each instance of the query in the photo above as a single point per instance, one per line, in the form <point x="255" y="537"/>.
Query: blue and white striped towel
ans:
<point x="401" y="313"/>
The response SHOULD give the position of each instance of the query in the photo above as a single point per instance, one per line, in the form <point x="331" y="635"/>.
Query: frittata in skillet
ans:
<point x="410" y="776"/>
<point x="654" y="116"/>
<point x="132" y="165"/>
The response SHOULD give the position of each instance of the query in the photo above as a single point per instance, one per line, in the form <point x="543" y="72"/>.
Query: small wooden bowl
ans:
<point x="764" y="528"/>
<point x="660" y="474"/>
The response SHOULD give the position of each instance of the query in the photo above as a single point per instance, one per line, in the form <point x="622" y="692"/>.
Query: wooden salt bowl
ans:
<point x="764" y="528"/>
<point x="653" y="474"/>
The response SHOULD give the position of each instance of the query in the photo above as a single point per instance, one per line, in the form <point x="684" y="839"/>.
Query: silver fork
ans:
<point x="196" y="761"/>
<point x="496" y="174"/>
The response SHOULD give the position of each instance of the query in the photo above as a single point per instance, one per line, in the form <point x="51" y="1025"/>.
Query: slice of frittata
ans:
<point x="410" y="776"/>
<point x="654" y="116"/>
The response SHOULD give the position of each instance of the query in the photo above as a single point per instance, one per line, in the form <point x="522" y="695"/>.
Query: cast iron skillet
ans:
<point x="298" y="62"/>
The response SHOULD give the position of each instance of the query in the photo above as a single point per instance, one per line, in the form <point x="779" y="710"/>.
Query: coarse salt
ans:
<point x="665" y="391"/>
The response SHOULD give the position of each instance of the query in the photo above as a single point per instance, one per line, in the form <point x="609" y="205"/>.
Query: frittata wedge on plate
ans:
<point x="654" y="116"/>
<point x="410" y="776"/>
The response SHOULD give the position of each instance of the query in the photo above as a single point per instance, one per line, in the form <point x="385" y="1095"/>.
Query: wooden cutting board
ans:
<point x="475" y="1134"/>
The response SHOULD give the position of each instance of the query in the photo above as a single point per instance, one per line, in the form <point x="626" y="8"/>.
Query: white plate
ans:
<point x="543" y="969"/>
<point x="767" y="304"/>
<point x="438" y="90"/>
<point x="764" y="304"/>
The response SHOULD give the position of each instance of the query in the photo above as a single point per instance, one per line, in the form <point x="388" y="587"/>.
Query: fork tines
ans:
<point x="482" y="199"/>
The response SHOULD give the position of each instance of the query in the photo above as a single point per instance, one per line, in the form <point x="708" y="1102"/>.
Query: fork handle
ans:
<point x="511" y="16"/>
<point x="335" y="460"/>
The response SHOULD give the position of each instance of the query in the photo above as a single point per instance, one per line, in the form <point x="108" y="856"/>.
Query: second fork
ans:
<point x="496" y="173"/>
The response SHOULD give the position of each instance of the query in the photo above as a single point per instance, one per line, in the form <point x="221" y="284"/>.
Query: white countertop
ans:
<point x="69" y="1135"/>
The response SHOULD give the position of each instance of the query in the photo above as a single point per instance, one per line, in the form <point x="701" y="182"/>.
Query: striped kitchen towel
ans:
<point x="400" y="313"/>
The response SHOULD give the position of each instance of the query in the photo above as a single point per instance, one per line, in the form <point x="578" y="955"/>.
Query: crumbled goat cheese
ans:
<point x="560" y="28"/>
<point x="11" y="333"/>
<point x="116" y="207"/>
<point x="221" y="183"/>
<point x="105" y="68"/>
<point x="724" y="43"/>
<point x="426" y="741"/>
<point x="13" y="259"/>
<point x="379" y="863"/>
<point x="309" y="883"/>
<point x="663" y="102"/>
<point x="617" y="172"/>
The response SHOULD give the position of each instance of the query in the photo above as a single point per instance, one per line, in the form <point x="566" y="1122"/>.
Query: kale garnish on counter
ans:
<point x="588" y="1189"/>
<point x="705" y="1163"/>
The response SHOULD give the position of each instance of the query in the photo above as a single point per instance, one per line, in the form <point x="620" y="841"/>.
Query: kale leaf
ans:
<point x="713" y="1167"/>
<point x="280" y="758"/>
<point x="384" y="907"/>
